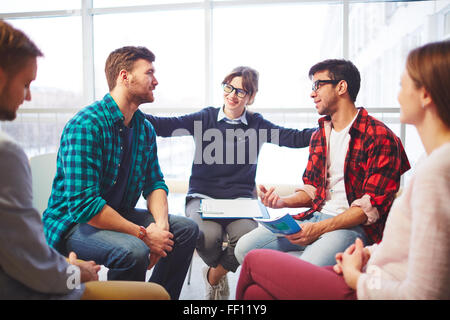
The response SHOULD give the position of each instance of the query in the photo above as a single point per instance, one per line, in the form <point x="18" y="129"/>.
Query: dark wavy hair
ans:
<point x="340" y="70"/>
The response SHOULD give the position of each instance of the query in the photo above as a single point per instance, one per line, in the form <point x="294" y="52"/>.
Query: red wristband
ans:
<point x="142" y="232"/>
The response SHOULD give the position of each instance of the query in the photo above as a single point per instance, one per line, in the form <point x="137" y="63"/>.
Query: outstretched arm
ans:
<point x="272" y="200"/>
<point x="174" y="126"/>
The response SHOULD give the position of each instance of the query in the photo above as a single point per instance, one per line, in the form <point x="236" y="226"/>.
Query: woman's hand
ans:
<point x="351" y="261"/>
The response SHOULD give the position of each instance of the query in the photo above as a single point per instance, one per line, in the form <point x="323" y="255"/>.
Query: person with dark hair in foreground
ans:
<point x="351" y="179"/>
<point x="413" y="259"/>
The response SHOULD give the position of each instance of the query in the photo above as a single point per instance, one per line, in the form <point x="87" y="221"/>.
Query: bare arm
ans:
<point x="157" y="205"/>
<point x="110" y="219"/>
<point x="296" y="200"/>
<point x="312" y="231"/>
<point x="157" y="239"/>
<point x="350" y="218"/>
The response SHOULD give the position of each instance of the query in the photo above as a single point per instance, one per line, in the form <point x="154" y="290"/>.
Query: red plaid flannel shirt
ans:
<point x="374" y="162"/>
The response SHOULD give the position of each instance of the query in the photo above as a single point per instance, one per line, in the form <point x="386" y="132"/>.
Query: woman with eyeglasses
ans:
<point x="227" y="143"/>
<point x="413" y="259"/>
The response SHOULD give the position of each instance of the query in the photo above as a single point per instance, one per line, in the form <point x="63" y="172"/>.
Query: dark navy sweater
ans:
<point x="226" y="154"/>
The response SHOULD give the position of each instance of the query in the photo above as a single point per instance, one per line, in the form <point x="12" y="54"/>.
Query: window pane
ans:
<point x="125" y="3"/>
<point x="41" y="5"/>
<point x="175" y="37"/>
<point x="59" y="79"/>
<point x="380" y="37"/>
<point x="58" y="83"/>
<point x="281" y="164"/>
<point x="281" y="42"/>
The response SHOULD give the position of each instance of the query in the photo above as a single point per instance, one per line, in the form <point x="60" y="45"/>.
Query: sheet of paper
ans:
<point x="226" y="208"/>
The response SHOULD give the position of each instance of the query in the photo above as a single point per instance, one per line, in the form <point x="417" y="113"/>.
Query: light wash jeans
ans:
<point x="321" y="252"/>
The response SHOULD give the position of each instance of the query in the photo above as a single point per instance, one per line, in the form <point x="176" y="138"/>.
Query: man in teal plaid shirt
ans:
<point x="107" y="159"/>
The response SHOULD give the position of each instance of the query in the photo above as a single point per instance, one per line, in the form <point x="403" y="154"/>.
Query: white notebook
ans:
<point x="232" y="208"/>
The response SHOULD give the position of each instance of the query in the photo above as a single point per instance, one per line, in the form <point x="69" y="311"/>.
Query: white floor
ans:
<point x="195" y="290"/>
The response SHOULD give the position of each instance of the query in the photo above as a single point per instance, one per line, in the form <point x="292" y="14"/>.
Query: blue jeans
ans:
<point x="321" y="252"/>
<point x="127" y="257"/>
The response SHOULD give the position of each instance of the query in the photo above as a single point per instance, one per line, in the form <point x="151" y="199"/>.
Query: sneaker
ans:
<point x="224" y="288"/>
<point x="221" y="291"/>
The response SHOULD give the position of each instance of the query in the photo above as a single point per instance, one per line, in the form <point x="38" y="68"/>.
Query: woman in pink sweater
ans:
<point x="413" y="259"/>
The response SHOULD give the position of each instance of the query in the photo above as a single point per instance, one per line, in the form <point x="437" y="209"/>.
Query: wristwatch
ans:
<point x="142" y="232"/>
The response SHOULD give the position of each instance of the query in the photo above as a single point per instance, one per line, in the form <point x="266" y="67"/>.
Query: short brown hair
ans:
<point x="15" y="48"/>
<point x="429" y="67"/>
<point x="124" y="59"/>
<point x="250" y="79"/>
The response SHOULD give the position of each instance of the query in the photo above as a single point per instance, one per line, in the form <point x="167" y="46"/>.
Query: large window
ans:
<point x="197" y="43"/>
<point x="175" y="37"/>
<point x="58" y="86"/>
<point x="281" y="42"/>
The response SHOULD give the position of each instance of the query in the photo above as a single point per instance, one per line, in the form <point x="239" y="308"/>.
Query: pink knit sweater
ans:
<point x="413" y="259"/>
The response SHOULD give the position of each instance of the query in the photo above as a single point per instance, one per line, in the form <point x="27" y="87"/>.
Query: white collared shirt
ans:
<point x="242" y="119"/>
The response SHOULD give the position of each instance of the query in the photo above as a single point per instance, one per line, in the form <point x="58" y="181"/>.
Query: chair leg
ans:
<point x="190" y="271"/>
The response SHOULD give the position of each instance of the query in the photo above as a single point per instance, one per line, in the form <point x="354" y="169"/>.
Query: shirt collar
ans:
<point x="115" y="113"/>
<point x="242" y="119"/>
<point x="359" y="124"/>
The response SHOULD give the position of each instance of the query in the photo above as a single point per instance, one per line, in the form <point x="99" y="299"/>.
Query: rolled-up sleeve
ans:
<point x="382" y="179"/>
<point x="366" y="205"/>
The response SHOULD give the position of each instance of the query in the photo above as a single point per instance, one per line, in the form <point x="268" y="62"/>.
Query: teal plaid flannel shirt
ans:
<point x="88" y="165"/>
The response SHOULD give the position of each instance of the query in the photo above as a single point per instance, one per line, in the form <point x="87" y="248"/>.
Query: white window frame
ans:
<point x="87" y="13"/>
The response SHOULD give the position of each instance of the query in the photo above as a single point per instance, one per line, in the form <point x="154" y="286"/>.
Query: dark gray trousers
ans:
<point x="213" y="232"/>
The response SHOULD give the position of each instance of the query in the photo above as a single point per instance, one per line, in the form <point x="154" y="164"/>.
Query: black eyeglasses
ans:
<point x="318" y="83"/>
<point x="228" y="88"/>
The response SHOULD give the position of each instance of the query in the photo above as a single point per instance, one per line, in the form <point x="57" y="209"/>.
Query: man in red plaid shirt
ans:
<point x="351" y="179"/>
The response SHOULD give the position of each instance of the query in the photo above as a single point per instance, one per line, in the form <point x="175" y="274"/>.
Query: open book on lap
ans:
<point x="281" y="221"/>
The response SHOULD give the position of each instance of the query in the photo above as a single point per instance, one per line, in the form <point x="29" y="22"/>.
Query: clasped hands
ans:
<point x="351" y="262"/>
<point x="159" y="240"/>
